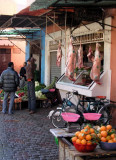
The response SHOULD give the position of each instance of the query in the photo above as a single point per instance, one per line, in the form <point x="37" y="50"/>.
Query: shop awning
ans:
<point x="39" y="4"/>
<point x="5" y="43"/>
<point x="11" y="32"/>
<point x="27" y="11"/>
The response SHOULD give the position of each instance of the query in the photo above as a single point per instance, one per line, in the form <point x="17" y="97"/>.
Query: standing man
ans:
<point x="9" y="80"/>
<point x="23" y="70"/>
<point x="30" y="68"/>
<point x="23" y="75"/>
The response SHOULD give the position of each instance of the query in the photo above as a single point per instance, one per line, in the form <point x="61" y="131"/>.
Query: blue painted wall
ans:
<point x="38" y="35"/>
<point x="42" y="56"/>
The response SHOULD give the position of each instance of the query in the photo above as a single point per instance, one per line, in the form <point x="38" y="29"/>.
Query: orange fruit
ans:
<point x="103" y="133"/>
<point x="110" y="141"/>
<point x="77" y="133"/>
<point x="88" y="137"/>
<point x="109" y="127"/>
<point x="113" y="135"/>
<point x="83" y="141"/>
<point x="82" y="131"/>
<point x="99" y="135"/>
<point x="86" y="131"/>
<point x="89" y="142"/>
<point x="81" y="136"/>
<point x="103" y="128"/>
<point x="114" y="140"/>
<point x="87" y="126"/>
<point x="108" y="138"/>
<point x="74" y="139"/>
<point x="93" y="135"/>
<point x="92" y="130"/>
<point x="78" y="141"/>
<point x="103" y="139"/>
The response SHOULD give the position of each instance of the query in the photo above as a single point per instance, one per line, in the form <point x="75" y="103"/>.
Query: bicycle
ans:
<point x="97" y="104"/>
<point x="93" y="106"/>
<point x="67" y="106"/>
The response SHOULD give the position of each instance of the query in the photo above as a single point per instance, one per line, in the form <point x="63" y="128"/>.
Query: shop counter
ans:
<point x="68" y="152"/>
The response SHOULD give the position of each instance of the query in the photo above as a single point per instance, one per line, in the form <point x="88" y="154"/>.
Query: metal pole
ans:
<point x="55" y="23"/>
<point x="16" y="46"/>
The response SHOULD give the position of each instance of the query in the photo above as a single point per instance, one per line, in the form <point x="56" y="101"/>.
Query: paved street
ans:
<point x="27" y="137"/>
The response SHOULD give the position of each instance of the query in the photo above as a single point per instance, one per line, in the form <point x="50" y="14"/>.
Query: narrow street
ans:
<point x="27" y="137"/>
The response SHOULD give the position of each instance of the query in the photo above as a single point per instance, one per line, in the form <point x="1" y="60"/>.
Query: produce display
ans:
<point x="52" y="85"/>
<point x="107" y="134"/>
<point x="22" y="93"/>
<point x="87" y="139"/>
<point x="39" y="94"/>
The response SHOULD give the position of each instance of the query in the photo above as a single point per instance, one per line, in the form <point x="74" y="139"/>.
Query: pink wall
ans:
<point x="17" y="56"/>
<point x="113" y="60"/>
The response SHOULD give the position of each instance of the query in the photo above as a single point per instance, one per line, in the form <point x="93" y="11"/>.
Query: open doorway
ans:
<point x="5" y="58"/>
<point x="54" y="70"/>
<point x="35" y="51"/>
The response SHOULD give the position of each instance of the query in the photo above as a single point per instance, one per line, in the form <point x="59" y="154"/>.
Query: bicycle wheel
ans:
<point x="57" y="120"/>
<point x="105" y="117"/>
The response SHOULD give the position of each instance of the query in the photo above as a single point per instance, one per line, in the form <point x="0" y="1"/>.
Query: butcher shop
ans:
<point x="81" y="59"/>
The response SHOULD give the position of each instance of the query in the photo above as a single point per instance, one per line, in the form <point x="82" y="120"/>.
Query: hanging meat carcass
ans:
<point x="80" y="57"/>
<point x="59" y="55"/>
<point x="71" y="62"/>
<point x="95" y="71"/>
<point x="90" y="54"/>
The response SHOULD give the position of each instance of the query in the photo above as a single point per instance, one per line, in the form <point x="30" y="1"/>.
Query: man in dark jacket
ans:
<point x="10" y="81"/>
<point x="23" y="75"/>
<point x="23" y="71"/>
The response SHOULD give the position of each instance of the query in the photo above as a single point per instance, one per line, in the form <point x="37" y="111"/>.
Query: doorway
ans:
<point x="5" y="58"/>
<point x="35" y="51"/>
<point x="54" y="70"/>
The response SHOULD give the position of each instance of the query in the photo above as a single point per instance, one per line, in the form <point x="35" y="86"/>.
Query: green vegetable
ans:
<point x="39" y="87"/>
<point x="39" y="94"/>
<point x="25" y="88"/>
<point x="52" y="85"/>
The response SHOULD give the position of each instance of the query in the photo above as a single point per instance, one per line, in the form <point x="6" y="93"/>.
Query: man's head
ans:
<point x="11" y="64"/>
<point x="28" y="61"/>
<point x="24" y="64"/>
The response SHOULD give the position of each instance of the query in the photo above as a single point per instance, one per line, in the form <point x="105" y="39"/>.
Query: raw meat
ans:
<point x="71" y="62"/>
<point x="95" y="71"/>
<point x="90" y="54"/>
<point x="80" y="57"/>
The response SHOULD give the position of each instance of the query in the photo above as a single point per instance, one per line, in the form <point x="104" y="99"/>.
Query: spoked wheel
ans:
<point x="57" y="120"/>
<point x="105" y="117"/>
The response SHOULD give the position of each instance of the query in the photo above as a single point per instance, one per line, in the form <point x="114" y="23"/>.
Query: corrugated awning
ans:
<point x="5" y="43"/>
<point x="39" y="4"/>
<point x="27" y="11"/>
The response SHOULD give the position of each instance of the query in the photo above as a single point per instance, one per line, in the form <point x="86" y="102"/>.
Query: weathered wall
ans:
<point x="113" y="60"/>
<point x="17" y="55"/>
<point x="55" y="36"/>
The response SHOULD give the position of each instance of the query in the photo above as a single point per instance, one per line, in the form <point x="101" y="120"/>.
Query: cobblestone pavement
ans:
<point x="27" y="137"/>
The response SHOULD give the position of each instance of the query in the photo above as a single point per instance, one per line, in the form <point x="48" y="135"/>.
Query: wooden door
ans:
<point x="5" y="58"/>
